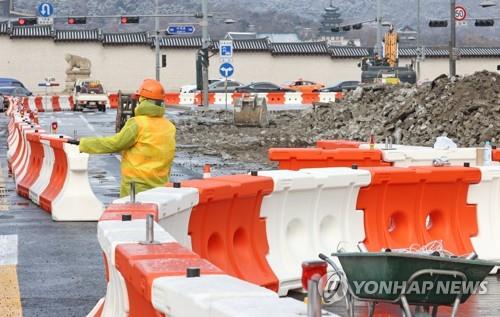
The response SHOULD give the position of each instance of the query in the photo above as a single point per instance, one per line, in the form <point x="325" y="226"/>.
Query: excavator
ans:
<point x="385" y="69"/>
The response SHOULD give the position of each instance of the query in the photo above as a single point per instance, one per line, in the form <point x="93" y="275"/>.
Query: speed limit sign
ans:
<point x="460" y="13"/>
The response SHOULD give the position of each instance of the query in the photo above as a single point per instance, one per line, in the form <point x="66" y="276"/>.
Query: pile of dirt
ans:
<point x="466" y="110"/>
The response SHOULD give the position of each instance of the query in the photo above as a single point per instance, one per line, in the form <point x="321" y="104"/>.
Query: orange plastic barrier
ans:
<point x="172" y="98"/>
<point x="141" y="264"/>
<point x="19" y="147"/>
<point x="226" y="228"/>
<point x="59" y="172"/>
<point x="35" y="162"/>
<point x="113" y="101"/>
<point x="276" y="98"/>
<point x="56" y="106"/>
<point x="496" y="155"/>
<point x="136" y="211"/>
<point x="39" y="104"/>
<point x="309" y="98"/>
<point x="199" y="97"/>
<point x="296" y="159"/>
<point x="407" y="206"/>
<point x="337" y="144"/>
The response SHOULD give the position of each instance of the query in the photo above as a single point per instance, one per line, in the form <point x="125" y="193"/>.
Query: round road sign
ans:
<point x="460" y="13"/>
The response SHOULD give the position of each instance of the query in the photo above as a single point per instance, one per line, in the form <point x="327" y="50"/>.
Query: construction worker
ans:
<point x="146" y="142"/>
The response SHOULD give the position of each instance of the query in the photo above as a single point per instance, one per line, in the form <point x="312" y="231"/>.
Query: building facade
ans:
<point x="121" y="61"/>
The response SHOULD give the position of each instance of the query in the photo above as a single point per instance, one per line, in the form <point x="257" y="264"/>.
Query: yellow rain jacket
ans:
<point x="147" y="145"/>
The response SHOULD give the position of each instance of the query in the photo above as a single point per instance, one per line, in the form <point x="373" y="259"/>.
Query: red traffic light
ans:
<point x="75" y="20"/>
<point x="128" y="20"/>
<point x="26" y="21"/>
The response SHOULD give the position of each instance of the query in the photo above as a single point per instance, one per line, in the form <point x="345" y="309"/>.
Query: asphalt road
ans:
<point x="60" y="268"/>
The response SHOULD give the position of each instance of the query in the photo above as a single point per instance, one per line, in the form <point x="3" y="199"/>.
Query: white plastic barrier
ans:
<point x="309" y="212"/>
<point x="220" y="98"/>
<point x="486" y="195"/>
<point x="46" y="172"/>
<point x="187" y="99"/>
<point x="424" y="156"/>
<point x="174" y="209"/>
<point x="47" y="103"/>
<point x="76" y="201"/>
<point x="64" y="103"/>
<point x="110" y="234"/>
<point x="211" y="295"/>
<point x="14" y="140"/>
<point x="327" y="97"/>
<point x="32" y="104"/>
<point x="293" y="98"/>
<point x="260" y="306"/>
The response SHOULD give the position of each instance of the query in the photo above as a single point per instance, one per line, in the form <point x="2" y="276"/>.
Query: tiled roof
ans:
<point x="181" y="41"/>
<point x="126" y="38"/>
<point x="4" y="27"/>
<point x="77" y="35"/>
<point x="464" y="52"/>
<point x="346" y="51"/>
<point x="300" y="48"/>
<point x="31" y="31"/>
<point x="247" y="45"/>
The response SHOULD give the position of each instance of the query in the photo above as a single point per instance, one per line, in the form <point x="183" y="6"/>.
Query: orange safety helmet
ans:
<point x="151" y="89"/>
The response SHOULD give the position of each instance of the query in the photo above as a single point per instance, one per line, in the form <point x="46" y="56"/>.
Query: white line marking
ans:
<point x="8" y="250"/>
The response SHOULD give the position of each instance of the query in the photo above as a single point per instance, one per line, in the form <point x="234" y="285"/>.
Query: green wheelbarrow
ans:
<point x="405" y="279"/>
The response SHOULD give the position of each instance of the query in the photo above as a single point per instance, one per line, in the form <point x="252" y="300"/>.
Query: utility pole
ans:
<point x="378" y="45"/>
<point x="453" y="40"/>
<point x="157" y="41"/>
<point x="204" y="46"/>
<point x="420" y="52"/>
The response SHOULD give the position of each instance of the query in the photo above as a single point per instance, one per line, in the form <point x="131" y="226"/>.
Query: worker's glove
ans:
<point x="74" y="142"/>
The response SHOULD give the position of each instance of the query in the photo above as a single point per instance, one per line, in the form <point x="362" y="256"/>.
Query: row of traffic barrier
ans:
<point x="261" y="228"/>
<point x="49" y="171"/>
<point x="347" y="153"/>
<point x="272" y="98"/>
<point x="164" y="278"/>
<point x="49" y="103"/>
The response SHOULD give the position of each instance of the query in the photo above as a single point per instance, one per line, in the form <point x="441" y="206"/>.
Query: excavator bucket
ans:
<point x="250" y="111"/>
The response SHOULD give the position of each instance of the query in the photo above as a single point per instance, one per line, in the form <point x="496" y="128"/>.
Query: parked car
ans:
<point x="262" y="87"/>
<point x="218" y="86"/>
<point x="9" y="91"/>
<point x="340" y="87"/>
<point x="305" y="86"/>
<point x="10" y="82"/>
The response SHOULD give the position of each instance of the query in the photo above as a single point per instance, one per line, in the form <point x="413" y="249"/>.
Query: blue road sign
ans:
<point x="226" y="49"/>
<point x="226" y="70"/>
<point x="180" y="29"/>
<point x="45" y="9"/>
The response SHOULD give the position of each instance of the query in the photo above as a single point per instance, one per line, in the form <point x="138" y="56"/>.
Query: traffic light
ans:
<point x="77" y="20"/>
<point x="438" y="23"/>
<point x="358" y="26"/>
<point x="129" y="20"/>
<point x="488" y="22"/>
<point x="336" y="29"/>
<point x="26" y="21"/>
<point x="346" y="28"/>
<point x="204" y="59"/>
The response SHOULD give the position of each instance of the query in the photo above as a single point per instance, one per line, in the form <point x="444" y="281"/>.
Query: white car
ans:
<point x="186" y="89"/>
<point x="89" y="93"/>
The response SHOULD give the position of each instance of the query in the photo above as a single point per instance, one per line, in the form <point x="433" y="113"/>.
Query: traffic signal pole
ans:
<point x="204" y="46"/>
<point x="453" y="40"/>
<point x="157" y="41"/>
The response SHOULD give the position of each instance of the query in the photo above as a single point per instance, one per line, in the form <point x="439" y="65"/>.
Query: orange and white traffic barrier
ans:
<point x="51" y="172"/>
<point x="272" y="98"/>
<point x="166" y="279"/>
